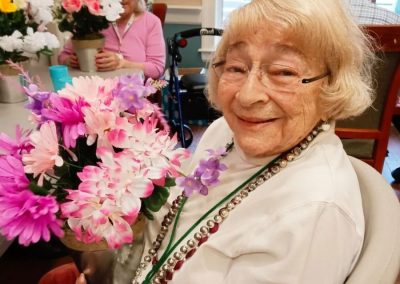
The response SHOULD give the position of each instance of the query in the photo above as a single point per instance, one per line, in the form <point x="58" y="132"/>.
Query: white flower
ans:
<point x="111" y="9"/>
<point x="51" y="40"/>
<point x="40" y="10"/>
<point x="36" y="41"/>
<point x="41" y="3"/>
<point x="33" y="42"/>
<point x="21" y="4"/>
<point x="11" y="43"/>
<point x="43" y="16"/>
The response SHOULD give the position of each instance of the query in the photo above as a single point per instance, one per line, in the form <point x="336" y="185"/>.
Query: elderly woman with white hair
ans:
<point x="280" y="202"/>
<point x="134" y="41"/>
<point x="285" y="207"/>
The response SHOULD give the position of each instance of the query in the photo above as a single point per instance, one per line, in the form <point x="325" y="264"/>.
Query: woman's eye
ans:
<point x="235" y="69"/>
<point x="282" y="72"/>
<point x="287" y="73"/>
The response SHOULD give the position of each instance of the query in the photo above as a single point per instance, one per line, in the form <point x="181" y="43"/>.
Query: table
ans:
<point x="42" y="71"/>
<point x="12" y="114"/>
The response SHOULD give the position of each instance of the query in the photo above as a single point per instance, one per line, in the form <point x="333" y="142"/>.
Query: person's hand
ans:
<point x="73" y="61"/>
<point x="81" y="279"/>
<point x="107" y="61"/>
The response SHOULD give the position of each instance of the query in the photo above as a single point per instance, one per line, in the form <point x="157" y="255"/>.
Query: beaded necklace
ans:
<point x="164" y="268"/>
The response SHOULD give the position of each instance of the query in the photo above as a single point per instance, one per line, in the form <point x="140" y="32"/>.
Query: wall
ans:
<point x="191" y="57"/>
<point x="180" y="2"/>
<point x="184" y="15"/>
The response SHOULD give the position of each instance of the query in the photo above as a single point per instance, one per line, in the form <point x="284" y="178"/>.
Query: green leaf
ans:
<point x="38" y="190"/>
<point x="157" y="199"/>
<point x="147" y="213"/>
<point x="169" y="182"/>
<point x="61" y="171"/>
<point x="46" y="51"/>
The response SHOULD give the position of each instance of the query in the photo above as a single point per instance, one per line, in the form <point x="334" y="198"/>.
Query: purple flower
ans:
<point x="37" y="100"/>
<point x="28" y="216"/>
<point x="217" y="154"/>
<point x="131" y="92"/>
<point x="190" y="184"/>
<point x="69" y="114"/>
<point x="208" y="171"/>
<point x="206" y="174"/>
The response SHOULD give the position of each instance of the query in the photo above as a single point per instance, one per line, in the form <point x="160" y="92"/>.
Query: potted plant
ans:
<point x="23" y="35"/>
<point x="85" y="19"/>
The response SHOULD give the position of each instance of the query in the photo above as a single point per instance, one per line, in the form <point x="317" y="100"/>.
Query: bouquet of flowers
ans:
<point x="86" y="18"/>
<point x="100" y="155"/>
<point x="23" y="29"/>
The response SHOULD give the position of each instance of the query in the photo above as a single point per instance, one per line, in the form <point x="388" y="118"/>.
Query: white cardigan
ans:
<point x="304" y="225"/>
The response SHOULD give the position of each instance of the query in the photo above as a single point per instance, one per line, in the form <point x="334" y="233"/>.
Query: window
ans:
<point x="387" y="4"/>
<point x="214" y="12"/>
<point x="229" y="5"/>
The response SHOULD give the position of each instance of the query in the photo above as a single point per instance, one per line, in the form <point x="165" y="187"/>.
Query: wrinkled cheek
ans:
<point x="225" y="94"/>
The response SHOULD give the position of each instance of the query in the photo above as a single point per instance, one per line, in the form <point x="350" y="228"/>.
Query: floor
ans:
<point x="21" y="265"/>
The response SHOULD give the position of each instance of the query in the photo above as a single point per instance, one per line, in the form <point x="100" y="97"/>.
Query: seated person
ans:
<point x="135" y="41"/>
<point x="285" y="206"/>
<point x="288" y="207"/>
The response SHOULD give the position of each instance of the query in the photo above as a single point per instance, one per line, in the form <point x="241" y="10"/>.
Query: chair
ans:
<point x="379" y="261"/>
<point x="160" y="10"/>
<point x="367" y="136"/>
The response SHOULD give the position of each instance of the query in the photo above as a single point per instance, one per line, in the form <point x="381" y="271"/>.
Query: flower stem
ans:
<point x="72" y="165"/>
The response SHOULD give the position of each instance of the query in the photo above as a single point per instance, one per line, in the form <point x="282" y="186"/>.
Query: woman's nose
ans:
<point x="252" y="91"/>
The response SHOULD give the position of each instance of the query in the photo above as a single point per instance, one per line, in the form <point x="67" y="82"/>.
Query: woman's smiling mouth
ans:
<point x="253" y="121"/>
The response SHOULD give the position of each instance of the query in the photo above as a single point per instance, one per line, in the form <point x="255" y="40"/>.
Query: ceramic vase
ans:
<point x="86" y="50"/>
<point x="98" y="262"/>
<point x="11" y="83"/>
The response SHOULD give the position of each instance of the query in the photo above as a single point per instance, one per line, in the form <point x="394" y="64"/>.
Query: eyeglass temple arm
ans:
<point x="306" y="81"/>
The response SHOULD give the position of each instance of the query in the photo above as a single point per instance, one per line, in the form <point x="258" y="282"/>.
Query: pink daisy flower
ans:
<point x="45" y="154"/>
<point x="108" y="199"/>
<point x="94" y="90"/>
<point x="69" y="114"/>
<point x="98" y="124"/>
<point x="155" y="150"/>
<point x="14" y="147"/>
<point x="12" y="175"/>
<point x="27" y="216"/>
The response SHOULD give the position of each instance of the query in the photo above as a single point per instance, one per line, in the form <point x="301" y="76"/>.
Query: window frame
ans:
<point x="211" y="18"/>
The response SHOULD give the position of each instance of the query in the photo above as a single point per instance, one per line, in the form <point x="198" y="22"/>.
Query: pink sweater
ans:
<point x="143" y="43"/>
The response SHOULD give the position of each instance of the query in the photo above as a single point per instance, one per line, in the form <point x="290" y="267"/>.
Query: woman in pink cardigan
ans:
<point x="135" y="41"/>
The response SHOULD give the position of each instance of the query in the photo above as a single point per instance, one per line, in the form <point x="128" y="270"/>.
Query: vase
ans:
<point x="11" y="83"/>
<point x="86" y="50"/>
<point x="97" y="261"/>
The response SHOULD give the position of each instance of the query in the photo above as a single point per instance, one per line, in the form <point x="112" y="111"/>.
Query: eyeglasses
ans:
<point x="275" y="76"/>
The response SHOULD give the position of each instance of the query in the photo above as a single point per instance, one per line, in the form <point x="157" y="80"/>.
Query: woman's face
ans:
<point x="129" y="7"/>
<point x="268" y="116"/>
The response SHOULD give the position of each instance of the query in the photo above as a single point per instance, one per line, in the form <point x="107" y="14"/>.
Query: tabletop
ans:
<point x="12" y="114"/>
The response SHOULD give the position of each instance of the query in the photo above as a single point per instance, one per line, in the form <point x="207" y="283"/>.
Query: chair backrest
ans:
<point x="160" y="10"/>
<point x="379" y="261"/>
<point x="366" y="137"/>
